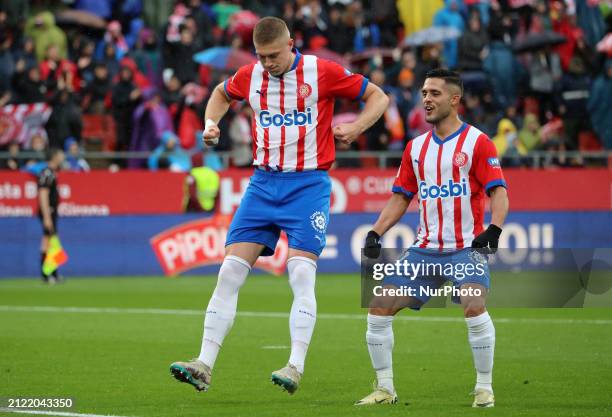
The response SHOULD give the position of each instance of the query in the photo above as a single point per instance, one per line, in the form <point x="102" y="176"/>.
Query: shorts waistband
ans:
<point x="261" y="172"/>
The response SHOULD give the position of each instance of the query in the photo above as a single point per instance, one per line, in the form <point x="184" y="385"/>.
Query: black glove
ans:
<point x="372" y="245"/>
<point x="488" y="239"/>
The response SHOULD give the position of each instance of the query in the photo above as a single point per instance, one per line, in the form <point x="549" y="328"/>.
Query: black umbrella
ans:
<point x="537" y="40"/>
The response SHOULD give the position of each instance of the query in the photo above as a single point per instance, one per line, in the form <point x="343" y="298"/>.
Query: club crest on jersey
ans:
<point x="318" y="221"/>
<point x="460" y="159"/>
<point x="304" y="91"/>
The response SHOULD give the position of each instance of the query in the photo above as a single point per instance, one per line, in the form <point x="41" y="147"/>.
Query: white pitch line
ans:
<point x="279" y="315"/>
<point x="52" y="413"/>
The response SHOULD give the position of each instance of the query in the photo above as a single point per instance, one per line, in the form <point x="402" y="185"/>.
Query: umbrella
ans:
<point x="537" y="40"/>
<point x="223" y="58"/>
<point x="605" y="45"/>
<point x="386" y="54"/>
<point x="243" y="22"/>
<point x="325" y="53"/>
<point x="80" y="18"/>
<point x="432" y="35"/>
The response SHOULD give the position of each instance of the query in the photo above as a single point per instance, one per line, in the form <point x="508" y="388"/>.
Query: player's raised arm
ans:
<point x="217" y="106"/>
<point x="376" y="102"/>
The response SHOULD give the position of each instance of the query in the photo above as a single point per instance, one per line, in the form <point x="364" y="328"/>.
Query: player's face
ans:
<point x="439" y="99"/>
<point x="276" y="57"/>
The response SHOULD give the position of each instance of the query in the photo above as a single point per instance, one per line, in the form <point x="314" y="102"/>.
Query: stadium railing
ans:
<point x="371" y="159"/>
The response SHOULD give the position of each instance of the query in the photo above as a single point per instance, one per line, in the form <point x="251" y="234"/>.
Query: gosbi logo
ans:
<point x="450" y="189"/>
<point x="295" y="118"/>
<point x="460" y="159"/>
<point x="304" y="91"/>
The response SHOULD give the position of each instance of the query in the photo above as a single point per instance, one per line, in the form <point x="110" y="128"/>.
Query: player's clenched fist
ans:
<point x="211" y="133"/>
<point x="346" y="132"/>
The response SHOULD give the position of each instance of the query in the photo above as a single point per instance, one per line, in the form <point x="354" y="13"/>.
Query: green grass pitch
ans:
<point x="113" y="358"/>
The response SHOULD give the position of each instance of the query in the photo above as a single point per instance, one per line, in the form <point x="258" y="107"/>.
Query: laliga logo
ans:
<point x="451" y="189"/>
<point x="296" y="118"/>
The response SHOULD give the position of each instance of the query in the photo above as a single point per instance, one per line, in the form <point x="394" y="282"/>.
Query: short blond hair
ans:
<point x="269" y="30"/>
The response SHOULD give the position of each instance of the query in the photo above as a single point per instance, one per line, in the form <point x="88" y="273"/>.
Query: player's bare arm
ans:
<point x="217" y="106"/>
<point x="376" y="103"/>
<point x="394" y="210"/>
<point x="499" y="206"/>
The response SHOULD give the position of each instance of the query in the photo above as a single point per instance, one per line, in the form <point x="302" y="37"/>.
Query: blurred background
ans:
<point x="122" y="86"/>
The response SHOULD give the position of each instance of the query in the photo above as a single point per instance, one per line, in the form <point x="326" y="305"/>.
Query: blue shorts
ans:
<point x="295" y="202"/>
<point x="460" y="267"/>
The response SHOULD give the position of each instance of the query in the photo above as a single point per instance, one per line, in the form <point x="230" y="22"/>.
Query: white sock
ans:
<point x="303" y="314"/>
<point x="222" y="306"/>
<point x="379" y="337"/>
<point x="481" y="335"/>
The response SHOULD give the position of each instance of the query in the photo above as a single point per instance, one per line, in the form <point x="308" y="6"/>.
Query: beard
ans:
<point x="437" y="118"/>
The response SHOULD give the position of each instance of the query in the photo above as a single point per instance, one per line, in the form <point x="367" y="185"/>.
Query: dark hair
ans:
<point x="52" y="152"/>
<point x="450" y="77"/>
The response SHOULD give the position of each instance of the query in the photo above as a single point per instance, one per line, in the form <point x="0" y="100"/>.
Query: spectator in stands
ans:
<point x="43" y="30"/>
<point x="7" y="63"/>
<point x="14" y="162"/>
<point x="54" y="68"/>
<point x="169" y="155"/>
<point x="151" y="119"/>
<point x="473" y="45"/>
<point x="125" y="99"/>
<point x="240" y="134"/>
<point x="449" y="16"/>
<point x="65" y="120"/>
<point x="110" y="61"/>
<point x="575" y="88"/>
<point x="113" y="36"/>
<point x="85" y="61"/>
<point x="529" y="136"/>
<point x="544" y="79"/>
<point x="96" y="94"/>
<point x="27" y="85"/>
<point x="204" y="36"/>
<point x="171" y="93"/>
<point x="26" y="54"/>
<point x="37" y="146"/>
<point x="147" y="56"/>
<point x="74" y="158"/>
<point x="337" y="32"/>
<point x="181" y="57"/>
<point x="600" y="103"/>
<point x="506" y="143"/>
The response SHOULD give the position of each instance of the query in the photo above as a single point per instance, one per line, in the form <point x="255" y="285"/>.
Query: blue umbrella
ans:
<point x="434" y="34"/>
<point x="222" y="57"/>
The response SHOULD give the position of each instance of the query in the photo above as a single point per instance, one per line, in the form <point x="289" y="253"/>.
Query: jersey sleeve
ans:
<point x="487" y="169"/>
<point x="405" y="181"/>
<point x="237" y="87"/>
<point x="340" y="82"/>
<point x="45" y="179"/>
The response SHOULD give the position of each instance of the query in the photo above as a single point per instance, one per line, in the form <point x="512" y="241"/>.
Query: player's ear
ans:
<point x="291" y="42"/>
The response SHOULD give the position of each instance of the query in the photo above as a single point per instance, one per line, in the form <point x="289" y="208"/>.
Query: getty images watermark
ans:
<point x="509" y="278"/>
<point x="411" y="272"/>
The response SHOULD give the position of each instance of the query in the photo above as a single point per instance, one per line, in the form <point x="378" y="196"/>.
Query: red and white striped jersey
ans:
<point x="450" y="177"/>
<point x="291" y="124"/>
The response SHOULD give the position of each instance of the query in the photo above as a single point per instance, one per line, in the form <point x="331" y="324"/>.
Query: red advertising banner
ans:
<point x="102" y="193"/>
<point x="202" y="242"/>
<point x="96" y="193"/>
<point x="367" y="190"/>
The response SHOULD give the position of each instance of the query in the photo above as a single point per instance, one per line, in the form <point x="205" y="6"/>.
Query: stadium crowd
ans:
<point x="525" y="88"/>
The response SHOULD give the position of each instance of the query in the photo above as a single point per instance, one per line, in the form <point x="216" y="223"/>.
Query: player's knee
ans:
<point x="474" y="308"/>
<point x="382" y="311"/>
